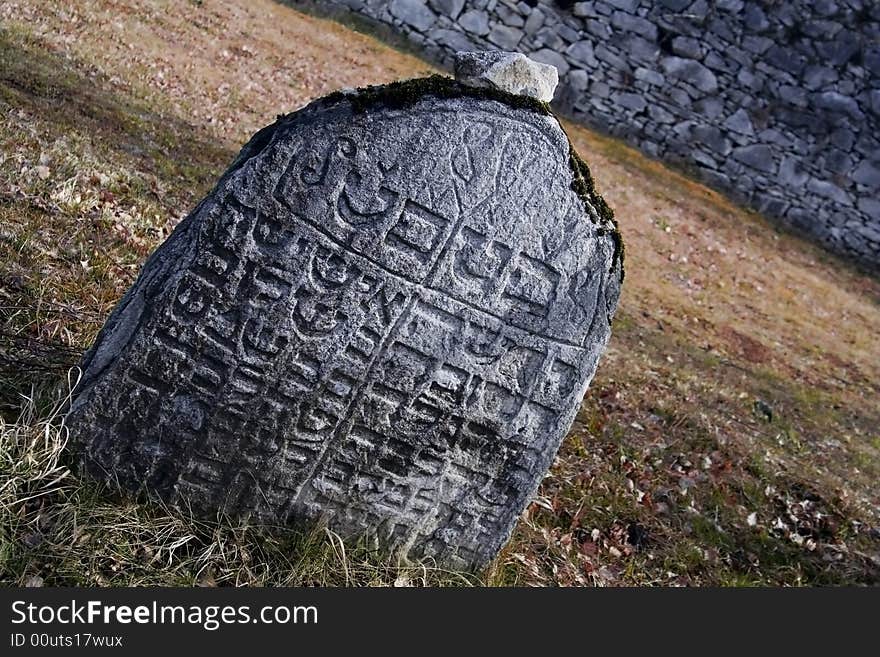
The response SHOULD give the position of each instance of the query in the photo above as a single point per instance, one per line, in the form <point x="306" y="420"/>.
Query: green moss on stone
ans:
<point x="405" y="93"/>
<point x="585" y="187"/>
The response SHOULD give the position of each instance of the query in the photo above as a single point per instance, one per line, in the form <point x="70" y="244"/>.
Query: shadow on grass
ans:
<point x="66" y="98"/>
<point x="65" y="93"/>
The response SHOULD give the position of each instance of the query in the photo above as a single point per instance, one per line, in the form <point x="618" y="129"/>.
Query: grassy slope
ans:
<point x="115" y="118"/>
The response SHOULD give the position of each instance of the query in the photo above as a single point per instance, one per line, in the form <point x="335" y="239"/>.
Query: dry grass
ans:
<point x="84" y="535"/>
<point x="730" y="436"/>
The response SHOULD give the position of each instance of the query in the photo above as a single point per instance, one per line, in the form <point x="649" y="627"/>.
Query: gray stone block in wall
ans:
<point x="547" y="37"/>
<point x="660" y="115"/>
<point x="383" y="317"/>
<point x="639" y="49"/>
<point x="868" y="174"/>
<point x="552" y="58"/>
<point x="793" y="95"/>
<point x="871" y="59"/>
<point x="628" y="6"/>
<point x="650" y="76"/>
<point x="579" y="79"/>
<point x="635" y="24"/>
<point x="691" y="72"/>
<point x="732" y="6"/>
<point x="791" y="173"/>
<point x="581" y="52"/>
<point x="838" y="162"/>
<point x="769" y="204"/>
<point x="450" y="8"/>
<point x="675" y="5"/>
<point x="757" y="156"/>
<point x="475" y="22"/>
<point x="510" y="17"/>
<point x="829" y="190"/>
<point x="754" y="18"/>
<point x="453" y="39"/>
<point x="534" y="22"/>
<point x="870" y="233"/>
<point x="568" y="34"/>
<point x="598" y="28"/>
<point x="837" y="103"/>
<point x="713" y="138"/>
<point x="757" y="45"/>
<point x="506" y="38"/>
<point x="709" y="108"/>
<point x="613" y="58"/>
<point x="687" y="47"/>
<point x="786" y="75"/>
<point x="413" y="13"/>
<point x="740" y="122"/>
<point x="786" y="59"/>
<point x="818" y="77"/>
<point x="843" y="138"/>
<point x="871" y="207"/>
<point x="584" y="9"/>
<point x="874" y="95"/>
<point x="841" y="50"/>
<point x="633" y="102"/>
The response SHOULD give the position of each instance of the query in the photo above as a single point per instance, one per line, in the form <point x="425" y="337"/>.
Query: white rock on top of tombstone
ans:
<point x="512" y="72"/>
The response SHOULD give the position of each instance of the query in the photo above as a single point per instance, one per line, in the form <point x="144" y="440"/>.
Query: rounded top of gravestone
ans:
<point x="512" y="72"/>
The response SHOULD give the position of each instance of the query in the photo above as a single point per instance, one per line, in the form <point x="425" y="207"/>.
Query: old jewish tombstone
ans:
<point x="384" y="317"/>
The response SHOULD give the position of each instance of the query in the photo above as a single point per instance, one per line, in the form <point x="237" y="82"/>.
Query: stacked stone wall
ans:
<point x="776" y="103"/>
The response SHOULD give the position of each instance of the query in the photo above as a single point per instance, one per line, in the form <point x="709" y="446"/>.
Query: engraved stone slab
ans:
<point x="384" y="316"/>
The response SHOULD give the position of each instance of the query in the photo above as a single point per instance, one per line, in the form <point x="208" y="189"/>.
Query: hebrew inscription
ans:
<point x="384" y="319"/>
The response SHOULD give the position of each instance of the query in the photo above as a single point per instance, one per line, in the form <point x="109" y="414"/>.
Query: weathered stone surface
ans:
<point x="553" y="59"/>
<point x="828" y="190"/>
<point x="534" y="21"/>
<point x="675" y="5"/>
<point x="475" y="21"/>
<point x="579" y="80"/>
<point x="868" y="174"/>
<point x="507" y="71"/>
<point x="740" y="122"/>
<point x="451" y="8"/>
<point x="713" y="138"/>
<point x="690" y="71"/>
<point x="687" y="47"/>
<point x="413" y="12"/>
<point x="634" y="102"/>
<point x="649" y="76"/>
<point x="581" y="51"/>
<point x="505" y="37"/>
<point x="583" y="9"/>
<point x="758" y="156"/>
<point x="791" y="174"/>
<point x="453" y="39"/>
<point x="636" y="24"/>
<point x="384" y="315"/>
